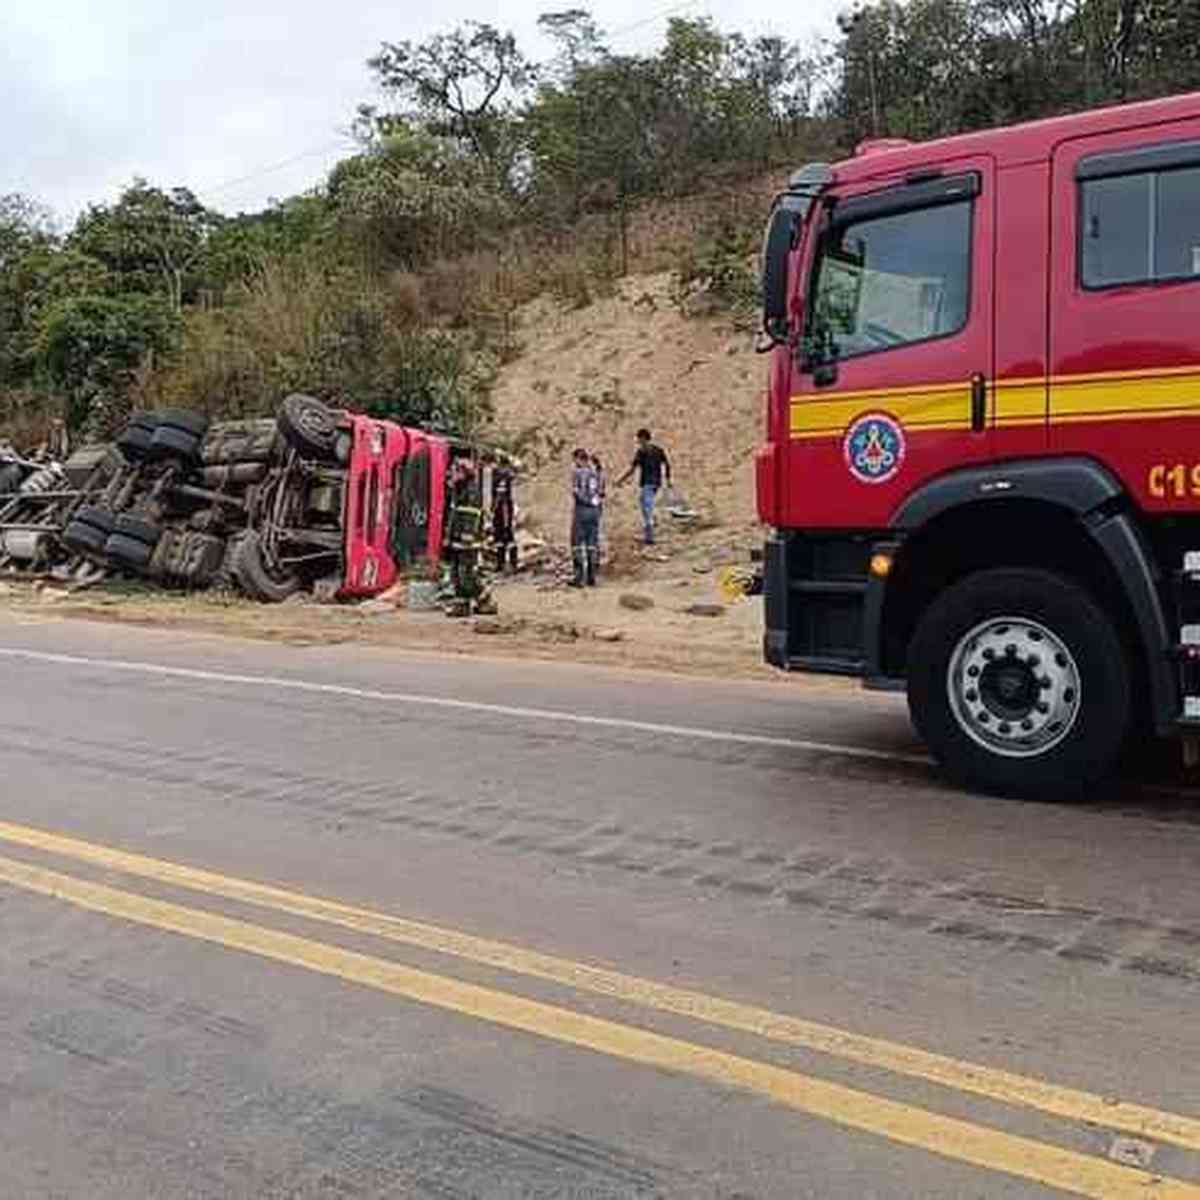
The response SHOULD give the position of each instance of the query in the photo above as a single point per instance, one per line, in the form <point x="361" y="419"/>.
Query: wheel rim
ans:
<point x="315" y="422"/>
<point x="1014" y="687"/>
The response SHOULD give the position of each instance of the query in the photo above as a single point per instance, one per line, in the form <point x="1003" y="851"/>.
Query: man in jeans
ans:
<point x="585" y="520"/>
<point x="652" y="466"/>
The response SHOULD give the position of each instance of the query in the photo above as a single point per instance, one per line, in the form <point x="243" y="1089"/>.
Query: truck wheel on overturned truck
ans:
<point x="256" y="574"/>
<point x="154" y="436"/>
<point x="88" y="531"/>
<point x="1019" y="684"/>
<point x="11" y="476"/>
<point x="309" y="427"/>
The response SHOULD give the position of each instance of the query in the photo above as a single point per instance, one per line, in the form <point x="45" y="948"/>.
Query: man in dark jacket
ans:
<point x="652" y="465"/>
<point x="504" y="515"/>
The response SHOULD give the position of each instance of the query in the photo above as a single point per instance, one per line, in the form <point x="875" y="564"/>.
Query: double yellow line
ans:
<point x="984" y="1147"/>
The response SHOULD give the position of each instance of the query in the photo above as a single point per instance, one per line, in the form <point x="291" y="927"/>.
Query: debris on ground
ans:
<point x="635" y="602"/>
<point x="705" y="610"/>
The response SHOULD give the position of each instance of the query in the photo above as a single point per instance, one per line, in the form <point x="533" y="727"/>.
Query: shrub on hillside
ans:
<point x="719" y="265"/>
<point x="343" y="336"/>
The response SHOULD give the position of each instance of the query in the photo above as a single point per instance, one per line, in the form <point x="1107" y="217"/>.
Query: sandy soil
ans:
<point x="591" y="377"/>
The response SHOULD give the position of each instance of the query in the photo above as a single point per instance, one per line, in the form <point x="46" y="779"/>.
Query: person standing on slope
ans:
<point x="585" y="520"/>
<point x="653" y="467"/>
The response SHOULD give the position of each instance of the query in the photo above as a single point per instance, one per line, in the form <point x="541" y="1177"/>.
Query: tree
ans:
<point x="463" y="85"/>
<point x="413" y="197"/>
<point x="90" y="345"/>
<point x="26" y="240"/>
<point x="151" y="241"/>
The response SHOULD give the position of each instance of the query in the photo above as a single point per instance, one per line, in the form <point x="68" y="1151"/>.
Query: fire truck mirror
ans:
<point x="777" y="245"/>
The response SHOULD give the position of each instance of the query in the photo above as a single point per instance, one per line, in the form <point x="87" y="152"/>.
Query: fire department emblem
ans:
<point x="874" y="448"/>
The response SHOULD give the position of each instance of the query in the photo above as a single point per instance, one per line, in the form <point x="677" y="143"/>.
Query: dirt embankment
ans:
<point x="592" y="376"/>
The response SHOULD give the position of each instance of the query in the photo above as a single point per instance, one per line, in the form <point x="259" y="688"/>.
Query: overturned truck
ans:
<point x="318" y="499"/>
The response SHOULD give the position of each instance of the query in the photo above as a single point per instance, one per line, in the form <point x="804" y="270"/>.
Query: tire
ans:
<point x="185" y="421"/>
<point x="309" y="427"/>
<point x="84" y="539"/>
<point x="140" y="530"/>
<point x="1019" y="684"/>
<point x="10" y="478"/>
<point x="128" y="553"/>
<point x="96" y="517"/>
<point x="134" y="441"/>
<point x="169" y="442"/>
<point x="253" y="574"/>
<point x="187" y="559"/>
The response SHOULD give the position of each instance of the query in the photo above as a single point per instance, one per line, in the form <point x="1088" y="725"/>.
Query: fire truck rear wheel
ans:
<point x="1019" y="684"/>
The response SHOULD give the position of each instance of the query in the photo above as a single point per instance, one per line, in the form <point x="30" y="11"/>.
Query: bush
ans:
<point x="339" y="335"/>
<point x="90" y="347"/>
<point x="720" y="264"/>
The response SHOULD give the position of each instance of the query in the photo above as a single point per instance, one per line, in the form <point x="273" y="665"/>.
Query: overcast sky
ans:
<point x="245" y="100"/>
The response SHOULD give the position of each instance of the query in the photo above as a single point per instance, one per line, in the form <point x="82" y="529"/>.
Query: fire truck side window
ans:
<point x="1140" y="228"/>
<point x="890" y="281"/>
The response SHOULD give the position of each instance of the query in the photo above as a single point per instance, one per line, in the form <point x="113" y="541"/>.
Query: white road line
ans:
<point x="501" y="710"/>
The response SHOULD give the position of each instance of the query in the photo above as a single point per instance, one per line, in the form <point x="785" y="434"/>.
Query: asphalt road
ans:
<point x="334" y="922"/>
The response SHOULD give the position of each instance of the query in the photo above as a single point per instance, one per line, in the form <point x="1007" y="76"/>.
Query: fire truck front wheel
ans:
<point x="1019" y="684"/>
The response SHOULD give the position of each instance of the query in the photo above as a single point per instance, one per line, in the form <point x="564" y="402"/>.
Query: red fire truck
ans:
<point x="982" y="465"/>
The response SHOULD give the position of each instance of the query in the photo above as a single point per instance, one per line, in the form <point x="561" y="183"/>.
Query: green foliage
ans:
<point x="927" y="68"/>
<point x="462" y="85"/>
<point x="91" y="345"/>
<point x="151" y="242"/>
<point x="720" y="265"/>
<point x="338" y="335"/>
<point x="413" y="197"/>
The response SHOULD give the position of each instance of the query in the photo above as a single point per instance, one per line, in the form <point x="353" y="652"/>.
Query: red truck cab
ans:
<point x="394" y="505"/>
<point x="983" y="435"/>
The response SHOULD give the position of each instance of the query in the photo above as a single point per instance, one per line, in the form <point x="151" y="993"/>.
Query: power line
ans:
<point x="658" y="16"/>
<point x="269" y="170"/>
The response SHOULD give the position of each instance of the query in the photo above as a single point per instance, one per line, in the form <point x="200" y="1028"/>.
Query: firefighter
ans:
<point x="466" y="543"/>
<point x="504" y="515"/>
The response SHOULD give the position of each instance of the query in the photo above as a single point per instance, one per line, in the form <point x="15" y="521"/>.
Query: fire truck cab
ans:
<point x="982" y="461"/>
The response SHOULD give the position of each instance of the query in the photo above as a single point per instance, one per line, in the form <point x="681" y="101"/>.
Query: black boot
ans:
<point x="592" y="556"/>
<point x="580" y="560"/>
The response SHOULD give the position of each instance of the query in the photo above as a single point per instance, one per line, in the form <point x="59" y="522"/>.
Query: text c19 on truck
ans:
<point x="982" y="466"/>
